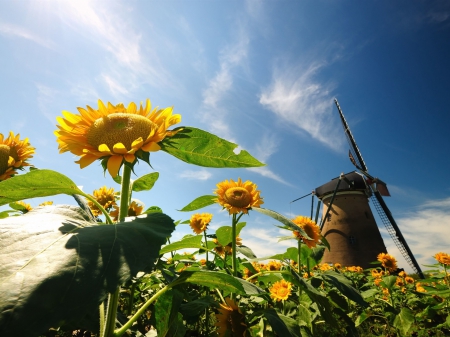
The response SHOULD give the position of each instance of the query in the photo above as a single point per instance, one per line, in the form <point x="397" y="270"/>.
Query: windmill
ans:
<point x="348" y="223"/>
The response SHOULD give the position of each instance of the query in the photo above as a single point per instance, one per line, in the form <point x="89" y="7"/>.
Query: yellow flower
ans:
<point x="338" y="266"/>
<point x="325" y="267"/>
<point x="133" y="210"/>
<point x="409" y="280"/>
<point x="280" y="290"/>
<point x="273" y="266"/>
<point x="106" y="197"/>
<point x="230" y="318"/>
<point x="355" y="269"/>
<point x="199" y="222"/>
<point x="237" y="196"/>
<point x="114" y="134"/>
<point x="443" y="258"/>
<point x="399" y="282"/>
<point x="14" y="154"/>
<point x="402" y="274"/>
<point x="310" y="227"/>
<point x="46" y="203"/>
<point x="27" y="207"/>
<point x="419" y="288"/>
<point x="221" y="250"/>
<point x="387" y="261"/>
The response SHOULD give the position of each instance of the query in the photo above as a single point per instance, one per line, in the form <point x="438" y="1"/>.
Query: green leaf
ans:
<point x="199" y="203"/>
<point x="6" y="213"/>
<point x="212" y="279"/>
<point x="166" y="311"/>
<point x="145" y="183"/>
<point x="246" y="251"/>
<point x="224" y="233"/>
<point x="389" y="281"/>
<point x="196" y="307"/>
<point x="202" y="148"/>
<point x="404" y="320"/>
<point x="361" y="318"/>
<point x="56" y="266"/>
<point x="36" y="183"/>
<point x="18" y="207"/>
<point x="187" y="242"/>
<point x="344" y="285"/>
<point x="282" y="325"/>
<point x="281" y="218"/>
<point x="153" y="209"/>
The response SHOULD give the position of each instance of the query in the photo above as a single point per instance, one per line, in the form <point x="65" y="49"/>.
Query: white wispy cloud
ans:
<point x="265" y="148"/>
<point x="426" y="230"/>
<point x="303" y="102"/>
<point x="196" y="175"/>
<point x="16" y="31"/>
<point x="213" y="112"/>
<point x="264" y="242"/>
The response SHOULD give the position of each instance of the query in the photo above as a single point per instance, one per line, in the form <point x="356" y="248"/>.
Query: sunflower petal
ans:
<point x="114" y="163"/>
<point x="151" y="147"/>
<point x="119" y="148"/>
<point x="129" y="157"/>
<point x="86" y="160"/>
<point x="103" y="148"/>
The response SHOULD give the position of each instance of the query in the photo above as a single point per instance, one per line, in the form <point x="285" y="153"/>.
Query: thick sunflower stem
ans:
<point x="113" y="299"/>
<point x="233" y="245"/>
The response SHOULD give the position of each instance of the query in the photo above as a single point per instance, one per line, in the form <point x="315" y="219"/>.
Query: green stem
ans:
<point x="233" y="246"/>
<point x="113" y="299"/>
<point x="206" y="246"/>
<point x="141" y="311"/>
<point x="100" y="207"/>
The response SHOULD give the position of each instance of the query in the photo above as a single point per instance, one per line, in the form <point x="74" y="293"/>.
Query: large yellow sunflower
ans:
<point x="443" y="258"/>
<point x="310" y="227"/>
<point x="199" y="222"/>
<point x="114" y="133"/>
<point x="105" y="197"/>
<point x="230" y="318"/>
<point x="238" y="196"/>
<point x="14" y="154"/>
<point x="280" y="290"/>
<point x="387" y="261"/>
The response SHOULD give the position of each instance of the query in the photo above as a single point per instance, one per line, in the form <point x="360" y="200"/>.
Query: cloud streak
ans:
<point x="300" y="100"/>
<point x="196" y="175"/>
<point x="16" y="31"/>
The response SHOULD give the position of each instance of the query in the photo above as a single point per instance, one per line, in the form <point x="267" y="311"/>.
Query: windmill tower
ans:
<point x="348" y="223"/>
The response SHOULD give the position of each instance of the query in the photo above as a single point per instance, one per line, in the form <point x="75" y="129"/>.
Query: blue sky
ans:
<point x="262" y="74"/>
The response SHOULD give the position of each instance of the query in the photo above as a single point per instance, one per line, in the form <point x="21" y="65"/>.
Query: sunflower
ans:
<point x="280" y="290"/>
<point x="114" y="134"/>
<point x="199" y="222"/>
<point x="106" y="197"/>
<point x="310" y="227"/>
<point x="133" y="210"/>
<point x="25" y="207"/>
<point x="14" y="154"/>
<point x="443" y="258"/>
<point x="237" y="196"/>
<point x="273" y="266"/>
<point x="46" y="203"/>
<point x="230" y="318"/>
<point x="221" y="250"/>
<point x="409" y="280"/>
<point x="387" y="261"/>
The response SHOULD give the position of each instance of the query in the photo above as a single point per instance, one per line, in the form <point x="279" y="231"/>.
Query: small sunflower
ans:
<point x="133" y="210"/>
<point x="280" y="290"/>
<point x="443" y="258"/>
<point x="221" y="250"/>
<point x="310" y="227"/>
<point x="273" y="266"/>
<point x="230" y="318"/>
<point x="409" y="280"/>
<point x="238" y="196"/>
<point x="115" y="134"/>
<point x="46" y="203"/>
<point x="14" y="154"/>
<point x="26" y="207"/>
<point x="106" y="197"/>
<point x="387" y="261"/>
<point x="199" y="222"/>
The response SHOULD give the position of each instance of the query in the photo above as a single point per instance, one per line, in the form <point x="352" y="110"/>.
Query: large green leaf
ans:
<point x="166" y="311"/>
<point x="224" y="233"/>
<point x="200" y="202"/>
<point x="404" y="320"/>
<point x="187" y="242"/>
<point x="36" y="183"/>
<point x="146" y="182"/>
<point x="56" y="266"/>
<point x="281" y="218"/>
<point x="282" y="325"/>
<point x="202" y="148"/>
<point x="345" y="286"/>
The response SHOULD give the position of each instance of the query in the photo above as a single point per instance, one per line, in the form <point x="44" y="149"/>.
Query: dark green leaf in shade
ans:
<point x="282" y="325"/>
<point x="200" y="202"/>
<point x="223" y="233"/>
<point x="36" y="183"/>
<point x="56" y="266"/>
<point x="281" y="218"/>
<point x="361" y="318"/>
<point x="202" y="148"/>
<point x="197" y="307"/>
<point x="404" y="320"/>
<point x="166" y="311"/>
<point x="187" y="242"/>
<point x="146" y="182"/>
<point x="344" y="285"/>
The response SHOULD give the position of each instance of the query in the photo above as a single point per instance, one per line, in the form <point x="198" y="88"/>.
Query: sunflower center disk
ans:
<point x="119" y="128"/>
<point x="4" y="156"/>
<point x="238" y="197"/>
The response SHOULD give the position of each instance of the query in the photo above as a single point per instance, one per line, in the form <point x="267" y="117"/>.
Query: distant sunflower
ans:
<point x="273" y="266"/>
<point x="46" y="203"/>
<point x="114" y="134"/>
<point x="387" y="261"/>
<point x="310" y="227"/>
<point x="238" y="196"/>
<point x="25" y="207"/>
<point x="199" y="222"/>
<point x="280" y="290"/>
<point x="106" y="197"/>
<point x="443" y="258"/>
<point x="134" y="209"/>
<point x="14" y="154"/>
<point x="230" y="318"/>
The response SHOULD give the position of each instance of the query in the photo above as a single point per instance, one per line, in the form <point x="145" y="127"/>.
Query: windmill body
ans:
<point x="349" y="225"/>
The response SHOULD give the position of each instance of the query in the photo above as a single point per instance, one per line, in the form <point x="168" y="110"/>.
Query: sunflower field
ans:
<point x="107" y="266"/>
